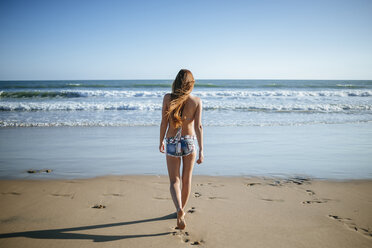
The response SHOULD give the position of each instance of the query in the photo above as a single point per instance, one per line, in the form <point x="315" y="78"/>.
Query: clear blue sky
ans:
<point x="214" y="39"/>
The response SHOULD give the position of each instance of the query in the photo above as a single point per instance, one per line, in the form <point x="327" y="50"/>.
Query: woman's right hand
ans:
<point x="201" y="158"/>
<point x="161" y="147"/>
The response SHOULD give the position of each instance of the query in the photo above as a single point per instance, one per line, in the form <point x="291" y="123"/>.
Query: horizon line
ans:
<point x="141" y="79"/>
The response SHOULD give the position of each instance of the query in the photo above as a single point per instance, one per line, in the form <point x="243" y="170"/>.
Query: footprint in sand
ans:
<point x="295" y="180"/>
<point x="99" y="206"/>
<point x="276" y="183"/>
<point x="183" y="235"/>
<point x="217" y="186"/>
<point x="117" y="194"/>
<point x="198" y="242"/>
<point x="197" y="194"/>
<point x="314" y="201"/>
<point x="310" y="192"/>
<point x="352" y="226"/>
<point x="192" y="210"/>
<point x="63" y="195"/>
<point x="298" y="180"/>
<point x="210" y="184"/>
<point x="253" y="184"/>
<point x="272" y="200"/>
<point x="11" y="219"/>
<point x="11" y="193"/>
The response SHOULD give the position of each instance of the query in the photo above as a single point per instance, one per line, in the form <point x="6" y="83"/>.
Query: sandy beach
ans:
<point x="137" y="211"/>
<point x="274" y="98"/>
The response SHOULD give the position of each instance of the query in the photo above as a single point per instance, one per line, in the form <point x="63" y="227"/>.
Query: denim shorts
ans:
<point x="183" y="147"/>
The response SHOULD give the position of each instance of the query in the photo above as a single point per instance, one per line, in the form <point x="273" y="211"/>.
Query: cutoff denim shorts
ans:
<point x="182" y="147"/>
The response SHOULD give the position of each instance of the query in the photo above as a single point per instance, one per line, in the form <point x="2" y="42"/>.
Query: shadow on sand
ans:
<point x="63" y="233"/>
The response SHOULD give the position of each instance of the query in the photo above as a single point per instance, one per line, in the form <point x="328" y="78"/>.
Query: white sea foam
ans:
<point x="208" y="105"/>
<point x="200" y="93"/>
<point x="285" y="93"/>
<point x="101" y="123"/>
<point x="68" y="106"/>
<point x="225" y="93"/>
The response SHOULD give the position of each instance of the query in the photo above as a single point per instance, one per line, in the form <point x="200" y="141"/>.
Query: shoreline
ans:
<point x="359" y="122"/>
<point x="288" y="178"/>
<point x="137" y="211"/>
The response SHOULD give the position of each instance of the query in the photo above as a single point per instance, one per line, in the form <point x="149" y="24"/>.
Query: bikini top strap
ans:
<point x="179" y="130"/>
<point x="178" y="134"/>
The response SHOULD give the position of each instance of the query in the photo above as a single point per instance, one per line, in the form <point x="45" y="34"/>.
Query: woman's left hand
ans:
<point x="201" y="157"/>
<point x="161" y="148"/>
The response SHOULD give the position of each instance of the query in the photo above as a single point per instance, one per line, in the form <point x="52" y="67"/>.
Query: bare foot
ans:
<point x="181" y="223"/>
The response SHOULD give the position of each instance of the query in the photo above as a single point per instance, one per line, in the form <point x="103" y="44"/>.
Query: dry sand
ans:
<point x="137" y="211"/>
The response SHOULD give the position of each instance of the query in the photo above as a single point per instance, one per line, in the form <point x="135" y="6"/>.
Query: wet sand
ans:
<point x="337" y="151"/>
<point x="137" y="211"/>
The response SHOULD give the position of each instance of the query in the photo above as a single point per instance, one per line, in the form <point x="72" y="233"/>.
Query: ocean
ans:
<point x="226" y="102"/>
<point x="317" y="128"/>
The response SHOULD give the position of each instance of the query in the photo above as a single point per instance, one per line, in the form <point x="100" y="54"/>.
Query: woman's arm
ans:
<point x="199" y="131"/>
<point x="164" y="122"/>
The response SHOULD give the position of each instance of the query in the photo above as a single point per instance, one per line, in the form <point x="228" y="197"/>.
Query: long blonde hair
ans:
<point x="181" y="89"/>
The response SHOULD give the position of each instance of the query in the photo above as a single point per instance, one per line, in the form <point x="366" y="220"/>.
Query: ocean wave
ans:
<point x="79" y="93"/>
<point x="310" y="108"/>
<point x="200" y="93"/>
<point x="73" y="124"/>
<point x="169" y="85"/>
<point x="41" y="94"/>
<point x="315" y="86"/>
<point x="54" y="86"/>
<point x="286" y="93"/>
<point x="76" y="106"/>
<point x="208" y="106"/>
<point x="103" y="85"/>
<point x="346" y="85"/>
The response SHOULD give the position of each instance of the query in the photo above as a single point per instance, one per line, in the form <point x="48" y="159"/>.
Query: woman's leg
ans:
<point x="188" y="165"/>
<point x="173" y="164"/>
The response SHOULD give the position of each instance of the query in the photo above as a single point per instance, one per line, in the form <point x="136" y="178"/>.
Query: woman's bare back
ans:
<point x="188" y="116"/>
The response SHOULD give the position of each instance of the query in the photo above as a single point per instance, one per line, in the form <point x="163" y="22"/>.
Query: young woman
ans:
<point x="181" y="120"/>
